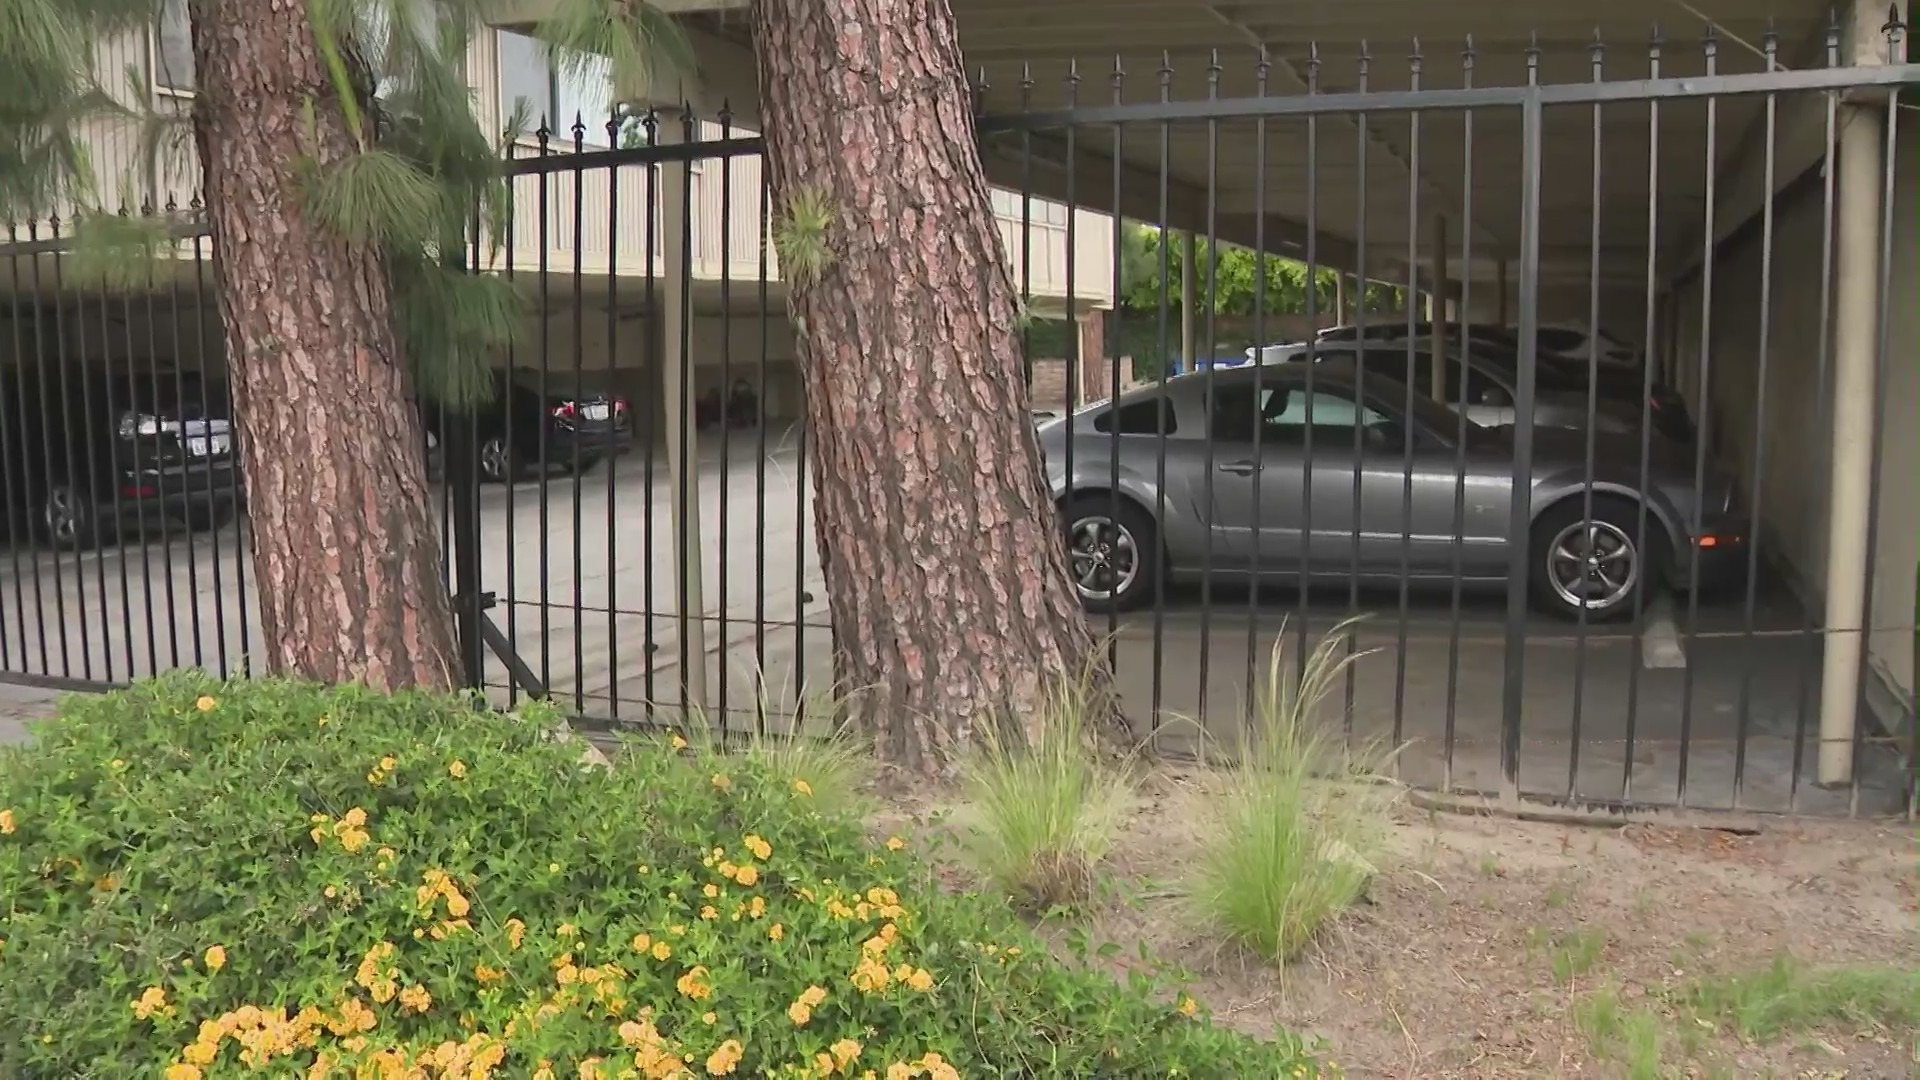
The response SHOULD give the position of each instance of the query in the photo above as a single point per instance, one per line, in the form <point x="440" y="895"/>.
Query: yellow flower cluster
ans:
<point x="381" y="770"/>
<point x="265" y="1034"/>
<point x="810" y="999"/>
<point x="7" y="825"/>
<point x="930" y="1065"/>
<point x="693" y="983"/>
<point x="380" y="982"/>
<point x="723" y="1061"/>
<point x="350" y="830"/>
<point x="653" y="1054"/>
<point x="151" y="1002"/>
<point x="437" y="885"/>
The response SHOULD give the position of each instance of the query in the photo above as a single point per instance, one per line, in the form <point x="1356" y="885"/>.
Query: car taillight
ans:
<point x="564" y="411"/>
<point x="619" y="406"/>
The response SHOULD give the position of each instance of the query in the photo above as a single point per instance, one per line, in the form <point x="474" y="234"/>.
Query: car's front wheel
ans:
<point x="1110" y="553"/>
<point x="1598" y="565"/>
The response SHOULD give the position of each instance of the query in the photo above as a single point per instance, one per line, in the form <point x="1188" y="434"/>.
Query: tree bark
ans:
<point x="947" y="584"/>
<point x="344" y="540"/>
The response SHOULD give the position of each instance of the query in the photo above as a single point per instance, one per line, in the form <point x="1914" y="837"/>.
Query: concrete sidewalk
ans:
<point x="20" y="705"/>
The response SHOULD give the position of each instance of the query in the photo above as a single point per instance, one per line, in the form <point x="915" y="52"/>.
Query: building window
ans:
<point x="555" y="90"/>
<point x="173" y="49"/>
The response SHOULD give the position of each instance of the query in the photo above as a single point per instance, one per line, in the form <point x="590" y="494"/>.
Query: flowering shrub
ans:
<point x="201" y="880"/>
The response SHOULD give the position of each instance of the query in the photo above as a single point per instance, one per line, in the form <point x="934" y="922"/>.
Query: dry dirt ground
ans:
<point x="1488" y="944"/>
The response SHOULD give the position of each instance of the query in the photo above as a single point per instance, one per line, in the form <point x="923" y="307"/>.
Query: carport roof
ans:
<point x="1033" y="53"/>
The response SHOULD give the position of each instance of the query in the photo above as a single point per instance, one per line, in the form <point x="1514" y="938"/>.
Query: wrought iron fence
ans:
<point x="1592" y="579"/>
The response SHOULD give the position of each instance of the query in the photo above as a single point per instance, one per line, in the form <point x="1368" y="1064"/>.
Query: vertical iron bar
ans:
<point x="82" y="488"/>
<point x="1074" y="355"/>
<point x="1303" y="613"/>
<point x="1646" y="413"/>
<point x="765" y="225"/>
<point x="1026" y="229"/>
<point x="650" y="124"/>
<point x="1359" y="447"/>
<point x="1259" y="350"/>
<point x="505" y="389"/>
<point x="1437" y="314"/>
<point x="725" y="165"/>
<point x="47" y="462"/>
<point x="1745" y="700"/>
<point x="166" y="529"/>
<point x="1813" y="638"/>
<point x="146" y="552"/>
<point x="27" y="492"/>
<point x="94" y="472"/>
<point x="1160" y="400"/>
<point x="1213" y="292"/>
<point x="1598" y="57"/>
<point x="1467" y="58"/>
<point x="1520" y="512"/>
<point x="1114" y="351"/>
<point x="541" y="420"/>
<point x="186" y="492"/>
<point x="17" y="498"/>
<point x="233" y="459"/>
<point x="684" y="222"/>
<point x="1704" y="391"/>
<point x="613" y="458"/>
<point x="579" y="414"/>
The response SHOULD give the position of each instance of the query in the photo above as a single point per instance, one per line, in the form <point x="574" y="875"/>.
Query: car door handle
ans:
<point x="1241" y="468"/>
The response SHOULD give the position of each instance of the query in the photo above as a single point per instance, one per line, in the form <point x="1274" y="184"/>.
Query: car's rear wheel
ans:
<point x="498" y="463"/>
<point x="1597" y="565"/>
<point x="1110" y="553"/>
<point x="67" y="514"/>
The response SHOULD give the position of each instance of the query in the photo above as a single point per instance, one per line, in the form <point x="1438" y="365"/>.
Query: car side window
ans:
<point x="1283" y="413"/>
<point x="1149" y="416"/>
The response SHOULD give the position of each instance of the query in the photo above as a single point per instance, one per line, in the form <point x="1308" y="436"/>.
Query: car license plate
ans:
<point x="207" y="445"/>
<point x="596" y="411"/>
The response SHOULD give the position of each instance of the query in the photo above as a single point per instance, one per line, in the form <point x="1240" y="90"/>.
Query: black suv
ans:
<point x="88" y="454"/>
<point x="522" y="431"/>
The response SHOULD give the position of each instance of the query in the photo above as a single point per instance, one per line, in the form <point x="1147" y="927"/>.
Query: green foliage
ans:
<point x="197" y="871"/>
<point x="1229" y="273"/>
<point x="1292" y="842"/>
<point x="1043" y="804"/>
<point x="1634" y="1037"/>
<point x="801" y="237"/>
<point x="1788" y="997"/>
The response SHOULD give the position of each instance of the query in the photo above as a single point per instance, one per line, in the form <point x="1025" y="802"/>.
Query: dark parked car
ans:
<point x="87" y="455"/>
<point x="1561" y="381"/>
<point x="522" y="431"/>
<point x="1263" y="479"/>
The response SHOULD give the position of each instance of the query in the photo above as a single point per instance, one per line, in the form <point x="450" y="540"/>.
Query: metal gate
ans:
<point x="1285" y="438"/>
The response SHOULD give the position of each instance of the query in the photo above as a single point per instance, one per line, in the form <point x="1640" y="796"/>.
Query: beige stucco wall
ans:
<point x="1793" y="427"/>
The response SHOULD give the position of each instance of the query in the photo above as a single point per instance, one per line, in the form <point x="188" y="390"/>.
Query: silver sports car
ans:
<point x="1278" y="470"/>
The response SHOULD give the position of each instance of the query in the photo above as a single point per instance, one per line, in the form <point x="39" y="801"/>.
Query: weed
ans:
<point x="1576" y="953"/>
<point x="1557" y="896"/>
<point x="1288" y="849"/>
<point x="1043" y="808"/>
<point x="1490" y="867"/>
<point x="1633" y="1037"/>
<point x="1787" y="997"/>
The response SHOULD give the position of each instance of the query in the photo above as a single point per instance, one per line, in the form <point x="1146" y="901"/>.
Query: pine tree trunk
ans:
<point x="345" y="547"/>
<point x="945" y="567"/>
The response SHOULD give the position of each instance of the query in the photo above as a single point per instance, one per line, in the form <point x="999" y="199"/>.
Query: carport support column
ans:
<point x="1437" y="309"/>
<point x="1855" y="349"/>
<point x="677" y="396"/>
<point x="1189" y="300"/>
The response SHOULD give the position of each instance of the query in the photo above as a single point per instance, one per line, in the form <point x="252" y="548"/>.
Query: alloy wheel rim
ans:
<point x="1592" y="565"/>
<point x="63" y="522"/>
<point x="493" y="458"/>
<point x="1103" y="557"/>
